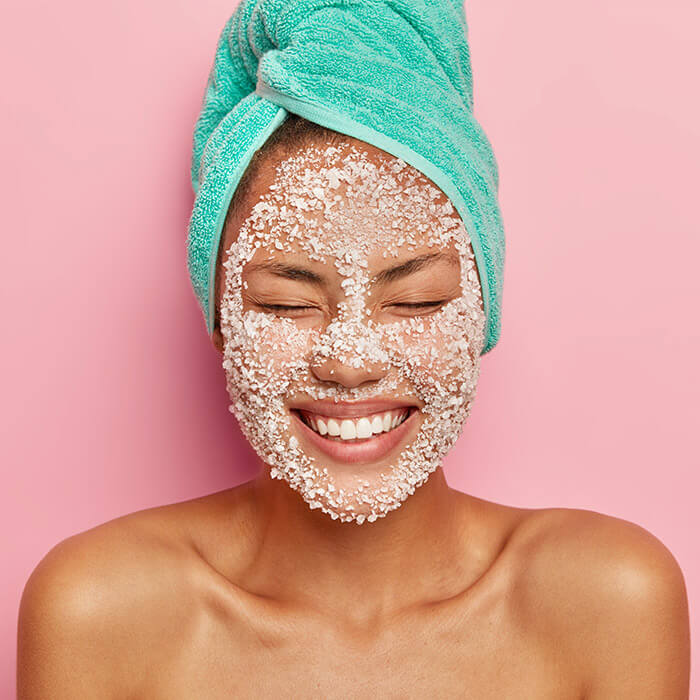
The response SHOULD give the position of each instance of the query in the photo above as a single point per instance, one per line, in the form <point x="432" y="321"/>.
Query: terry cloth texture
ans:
<point x="393" y="73"/>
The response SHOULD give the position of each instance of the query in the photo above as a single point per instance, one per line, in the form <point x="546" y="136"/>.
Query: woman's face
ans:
<point x="352" y="326"/>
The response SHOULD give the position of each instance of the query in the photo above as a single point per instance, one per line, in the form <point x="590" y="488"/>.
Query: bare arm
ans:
<point x="59" y="652"/>
<point x="102" y="608"/>
<point x="644" y="652"/>
<point x="612" y="599"/>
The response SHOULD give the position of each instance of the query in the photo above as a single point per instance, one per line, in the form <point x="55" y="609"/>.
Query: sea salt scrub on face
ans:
<point x="334" y="206"/>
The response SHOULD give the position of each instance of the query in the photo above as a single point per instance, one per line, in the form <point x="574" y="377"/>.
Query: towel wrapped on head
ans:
<point x="393" y="73"/>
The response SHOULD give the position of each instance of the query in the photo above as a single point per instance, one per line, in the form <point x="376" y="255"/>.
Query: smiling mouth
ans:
<point x="356" y="429"/>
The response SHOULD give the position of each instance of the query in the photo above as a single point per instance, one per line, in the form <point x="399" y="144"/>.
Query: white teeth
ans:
<point x="358" y="428"/>
<point x="386" y="418"/>
<point x="364" y="428"/>
<point x="347" y="430"/>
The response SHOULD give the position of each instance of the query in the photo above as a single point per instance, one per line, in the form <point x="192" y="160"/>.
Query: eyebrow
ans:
<point x="390" y="274"/>
<point x="410" y="266"/>
<point x="290" y="272"/>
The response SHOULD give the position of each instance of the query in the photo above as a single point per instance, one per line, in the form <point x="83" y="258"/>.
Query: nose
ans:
<point x="332" y="370"/>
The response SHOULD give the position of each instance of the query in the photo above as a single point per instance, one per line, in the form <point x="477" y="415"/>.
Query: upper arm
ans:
<point x="100" y="608"/>
<point x="640" y="626"/>
<point x="60" y="627"/>
<point x="611" y="598"/>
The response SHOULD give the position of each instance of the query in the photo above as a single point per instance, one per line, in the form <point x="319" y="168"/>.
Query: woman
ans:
<point x="258" y="592"/>
<point x="351" y="319"/>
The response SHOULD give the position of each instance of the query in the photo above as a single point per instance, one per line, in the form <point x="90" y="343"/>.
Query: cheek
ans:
<point x="432" y="348"/>
<point x="276" y="344"/>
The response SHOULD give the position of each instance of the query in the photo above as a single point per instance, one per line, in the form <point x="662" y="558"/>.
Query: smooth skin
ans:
<point x="248" y="593"/>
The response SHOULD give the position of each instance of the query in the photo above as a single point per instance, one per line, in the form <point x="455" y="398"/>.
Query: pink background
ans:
<point x="114" y="398"/>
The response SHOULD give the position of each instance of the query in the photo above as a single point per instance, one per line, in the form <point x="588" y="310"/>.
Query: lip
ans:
<point x="366" y="451"/>
<point x="350" y="409"/>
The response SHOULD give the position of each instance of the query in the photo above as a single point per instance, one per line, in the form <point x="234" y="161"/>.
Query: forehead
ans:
<point x="351" y="202"/>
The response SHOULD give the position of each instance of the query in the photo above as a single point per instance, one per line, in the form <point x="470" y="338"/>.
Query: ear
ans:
<point x="217" y="339"/>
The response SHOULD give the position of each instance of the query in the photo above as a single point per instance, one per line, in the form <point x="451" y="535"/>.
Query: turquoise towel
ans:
<point x="393" y="73"/>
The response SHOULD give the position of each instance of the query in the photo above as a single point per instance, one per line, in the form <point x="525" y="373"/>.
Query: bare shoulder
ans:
<point x="98" y="599"/>
<point x="612" y="594"/>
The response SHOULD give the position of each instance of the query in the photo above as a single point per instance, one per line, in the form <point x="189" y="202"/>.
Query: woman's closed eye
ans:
<point x="408" y="306"/>
<point x="286" y="309"/>
<point x="414" y="308"/>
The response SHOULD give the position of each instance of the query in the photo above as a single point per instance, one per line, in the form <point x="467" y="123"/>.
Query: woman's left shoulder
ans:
<point x="616" y="595"/>
<point x="606" y="545"/>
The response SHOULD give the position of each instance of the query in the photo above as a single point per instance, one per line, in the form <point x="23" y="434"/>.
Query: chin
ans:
<point x="347" y="495"/>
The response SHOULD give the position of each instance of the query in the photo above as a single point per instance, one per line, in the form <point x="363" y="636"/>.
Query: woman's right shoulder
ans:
<point x="98" y="600"/>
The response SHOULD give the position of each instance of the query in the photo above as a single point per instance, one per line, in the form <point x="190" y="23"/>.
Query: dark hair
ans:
<point x="294" y="131"/>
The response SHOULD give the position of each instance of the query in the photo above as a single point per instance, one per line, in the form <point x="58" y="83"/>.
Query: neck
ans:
<point x="415" y="554"/>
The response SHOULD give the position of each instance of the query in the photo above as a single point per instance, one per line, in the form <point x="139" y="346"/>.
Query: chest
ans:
<point x="439" y="656"/>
